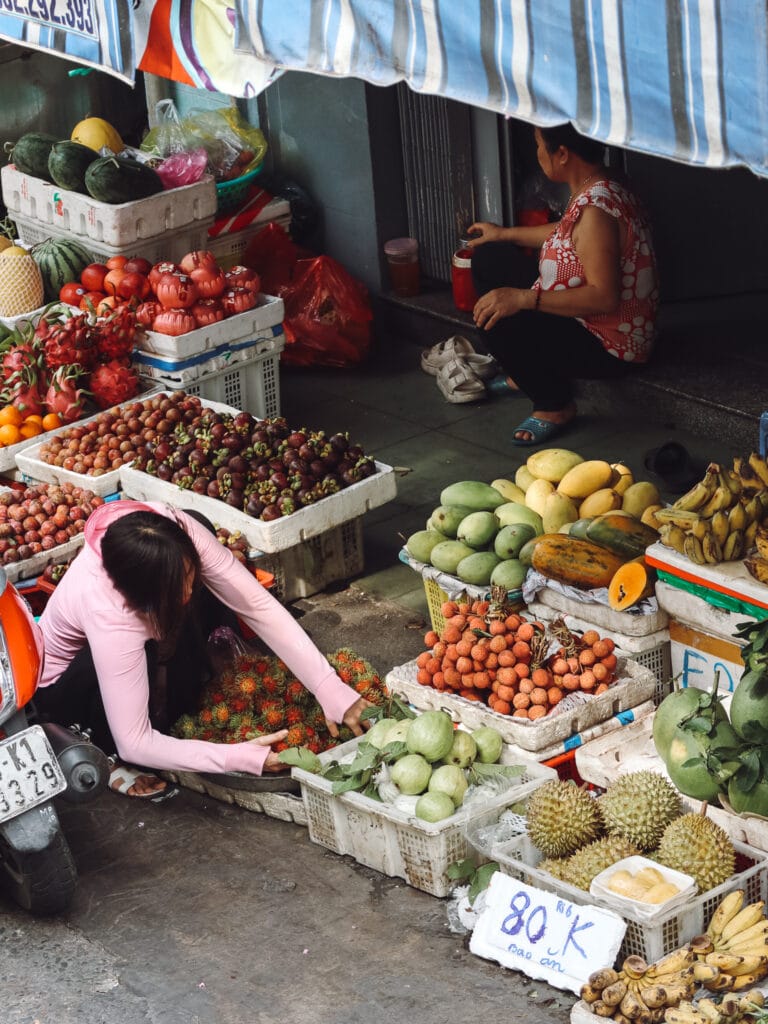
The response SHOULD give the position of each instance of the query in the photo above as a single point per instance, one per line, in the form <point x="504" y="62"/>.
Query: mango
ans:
<point x="579" y="528"/>
<point x="514" y="512"/>
<point x="558" y="510"/>
<point x="477" y="496"/>
<point x="508" y="490"/>
<point x="639" y="496"/>
<point x="524" y="478"/>
<point x="509" y="574"/>
<point x="478" y="529"/>
<point x="477" y="568"/>
<point x="552" y="463"/>
<point x="510" y="539"/>
<point x="447" y="554"/>
<point x="537" y="494"/>
<point x="446" y="519"/>
<point x="585" y="479"/>
<point x="419" y="545"/>
<point x="595" y="504"/>
<point x="565" y="528"/>
<point x="525" y="556"/>
<point x="622" y="477"/>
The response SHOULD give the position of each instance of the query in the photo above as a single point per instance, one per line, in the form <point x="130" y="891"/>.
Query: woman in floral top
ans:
<point x="591" y="312"/>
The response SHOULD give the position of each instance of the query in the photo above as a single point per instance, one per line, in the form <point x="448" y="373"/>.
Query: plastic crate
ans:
<point x="260" y="324"/>
<point x="86" y="220"/>
<point x="230" y="194"/>
<point x="310" y="567"/>
<point x="634" y="686"/>
<point x="230" y="247"/>
<point x="389" y="840"/>
<point x="651" y="940"/>
<point x="171" y="245"/>
<point x="30" y="568"/>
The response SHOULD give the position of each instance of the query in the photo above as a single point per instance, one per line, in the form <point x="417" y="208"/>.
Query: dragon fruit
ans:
<point x="63" y="395"/>
<point x="66" y="342"/>
<point x="115" y="335"/>
<point x="112" y="383"/>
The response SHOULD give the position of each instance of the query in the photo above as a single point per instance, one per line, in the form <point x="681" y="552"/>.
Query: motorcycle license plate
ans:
<point x="30" y="774"/>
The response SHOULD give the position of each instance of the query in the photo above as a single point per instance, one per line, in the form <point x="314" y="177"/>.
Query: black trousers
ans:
<point x="544" y="354"/>
<point x="175" y="682"/>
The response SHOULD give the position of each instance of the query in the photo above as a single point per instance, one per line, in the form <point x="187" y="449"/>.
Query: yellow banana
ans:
<point x="613" y="994"/>
<point x="601" y="979"/>
<point x="746" y="918"/>
<point x="756" y="946"/>
<point x="698" y="495"/>
<point x="733" y="548"/>
<point x="678" y="516"/>
<point x="750" y="532"/>
<point x="720" y="526"/>
<point x="723" y="961"/>
<point x="733" y="480"/>
<point x="701" y="528"/>
<point x="634" y="967"/>
<point x="749" y="478"/>
<point x="746" y="981"/>
<point x="751" y="1000"/>
<point x="710" y="1009"/>
<point x="705" y="972"/>
<point x="759" y="467"/>
<point x="685" y="1013"/>
<point x="722" y="983"/>
<point x="761" y="542"/>
<point x="727" y="909"/>
<point x="711" y="549"/>
<point x="673" y="963"/>
<point x="751" y="965"/>
<point x="737" y="517"/>
<point x="601" y="1009"/>
<point x="653" y="996"/>
<point x="631" y="1006"/>
<point x="723" y="497"/>
<point x="693" y="549"/>
<point x="589" y="994"/>
<point x="672" y="537"/>
<point x="753" y="510"/>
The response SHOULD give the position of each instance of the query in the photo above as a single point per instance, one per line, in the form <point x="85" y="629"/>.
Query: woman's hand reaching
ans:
<point x="484" y="231"/>
<point x="351" y="718"/>
<point x="273" y="762"/>
<point x="501" y="302"/>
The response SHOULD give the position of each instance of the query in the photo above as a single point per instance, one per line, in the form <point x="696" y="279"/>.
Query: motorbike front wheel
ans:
<point x="40" y="881"/>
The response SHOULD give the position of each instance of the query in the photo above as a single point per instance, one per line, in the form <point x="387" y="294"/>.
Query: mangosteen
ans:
<point x="317" y="468"/>
<point x="339" y="441"/>
<point x="164" y="471"/>
<point x="280" y="480"/>
<point x="235" y="498"/>
<point x="296" y="439"/>
<point x="200" y="485"/>
<point x="213" y="489"/>
<point x="197" y="458"/>
<point x="288" y="456"/>
<point x="237" y="464"/>
<point x="270" y="513"/>
<point x="355" y="452"/>
<point x="350" y="476"/>
<point x="177" y="460"/>
<point x="261" y="470"/>
<point x="162" y="450"/>
<point x="260" y="436"/>
<point x="238" y="481"/>
<point x="276" y="465"/>
<point x="254" y="507"/>
<point x="232" y="442"/>
<point x="218" y="431"/>
<point x="307" y="451"/>
<point x="243" y="422"/>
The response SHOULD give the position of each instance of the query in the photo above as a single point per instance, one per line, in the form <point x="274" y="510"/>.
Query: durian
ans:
<point x="562" y="818"/>
<point x="555" y="866"/>
<point x="639" y="806"/>
<point x="697" y="846"/>
<point x="596" y="857"/>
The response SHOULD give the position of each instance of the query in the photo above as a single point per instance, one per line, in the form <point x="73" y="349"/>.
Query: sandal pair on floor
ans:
<point x="459" y="370"/>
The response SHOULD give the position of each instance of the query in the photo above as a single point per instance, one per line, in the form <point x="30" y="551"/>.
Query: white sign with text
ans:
<point x="545" y="936"/>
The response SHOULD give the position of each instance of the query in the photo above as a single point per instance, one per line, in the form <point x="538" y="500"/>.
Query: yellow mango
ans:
<point x="639" y="496"/>
<point x="599" y="502"/>
<point x="586" y="478"/>
<point x="622" y="477"/>
<point x="524" y="478"/>
<point x="537" y="494"/>
<point x="558" y="510"/>
<point x="508" y="490"/>
<point x="552" y="463"/>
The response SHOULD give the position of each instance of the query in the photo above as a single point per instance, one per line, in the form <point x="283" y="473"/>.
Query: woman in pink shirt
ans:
<point x="125" y="634"/>
<point x="591" y="312"/>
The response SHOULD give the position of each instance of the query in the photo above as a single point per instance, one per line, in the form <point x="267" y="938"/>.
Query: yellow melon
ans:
<point x="96" y="133"/>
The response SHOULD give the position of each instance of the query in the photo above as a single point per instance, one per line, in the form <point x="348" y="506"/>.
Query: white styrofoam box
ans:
<point x="311" y="521"/>
<point x="171" y="245"/>
<point x="180" y="371"/>
<point x="651" y="940"/>
<point x="112" y="224"/>
<point x="695" y="611"/>
<point x="396" y="843"/>
<point x="601" y="616"/>
<point x="34" y="468"/>
<point x="308" y="568"/>
<point x="255" y="324"/>
<point x="634" y="686"/>
<point x="29" y="568"/>
<point x="685" y="885"/>
<point x="31" y="317"/>
<point x="729" y="578"/>
<point x="696" y="656"/>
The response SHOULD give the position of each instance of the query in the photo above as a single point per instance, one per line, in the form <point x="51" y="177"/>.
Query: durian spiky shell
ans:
<point x="699" y="847"/>
<point x="596" y="857"/>
<point x="555" y="866"/>
<point x="639" y="806"/>
<point x="561" y="818"/>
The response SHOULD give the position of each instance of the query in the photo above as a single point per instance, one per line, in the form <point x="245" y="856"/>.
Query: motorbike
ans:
<point x="39" y="763"/>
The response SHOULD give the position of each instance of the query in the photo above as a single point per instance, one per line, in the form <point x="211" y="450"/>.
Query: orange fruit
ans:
<point x="51" y="421"/>
<point x="28" y="429"/>
<point x="10" y="434"/>
<point x="34" y="418"/>
<point x="10" y="414"/>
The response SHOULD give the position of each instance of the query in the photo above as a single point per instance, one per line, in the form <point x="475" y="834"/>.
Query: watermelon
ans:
<point x="60" y="261"/>
<point x="31" y="152"/>
<point x="67" y="164"/>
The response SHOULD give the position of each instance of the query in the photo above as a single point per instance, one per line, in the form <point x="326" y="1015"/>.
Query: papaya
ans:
<point x="552" y="463"/>
<point x="478" y="529"/>
<point x="537" y="494"/>
<point x="508" y="490"/>
<point x="513" y="512"/>
<point x="510" y="539"/>
<point x="477" y="568"/>
<point x="574" y="562"/>
<point x="477" y="496"/>
<point x="630" y="584"/>
<point x="509" y="574"/>
<point x="639" y="496"/>
<point x="586" y="478"/>
<point x="446" y="555"/>
<point x="447" y="518"/>
<point x="420" y="544"/>
<point x="620" y="532"/>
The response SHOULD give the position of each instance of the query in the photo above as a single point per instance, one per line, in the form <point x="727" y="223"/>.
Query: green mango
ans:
<point x="509" y="574"/>
<point x="447" y="555"/>
<point x="513" y="512"/>
<point x="447" y="518"/>
<point x="477" y="496"/>
<point x="478" y="529"/>
<point x="420" y="544"/>
<point x="579" y="528"/>
<point x="510" y="539"/>
<point x="477" y="568"/>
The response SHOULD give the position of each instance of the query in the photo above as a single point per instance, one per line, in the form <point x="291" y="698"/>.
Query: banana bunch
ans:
<point x="757" y="565"/>
<point x="639" y="992"/>
<point x="732" y="1010"/>
<point x="733" y="954"/>
<point x="718" y="519"/>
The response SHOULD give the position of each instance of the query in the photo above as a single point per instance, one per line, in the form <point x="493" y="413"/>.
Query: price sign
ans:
<point x="543" y="935"/>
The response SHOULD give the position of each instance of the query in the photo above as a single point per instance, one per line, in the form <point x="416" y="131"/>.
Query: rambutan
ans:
<point x="221" y="716"/>
<point x="293" y="715"/>
<point x="294" y="692"/>
<point x="206" y="716"/>
<point x="296" y="736"/>
<point x="245" y="684"/>
<point x="185" y="727"/>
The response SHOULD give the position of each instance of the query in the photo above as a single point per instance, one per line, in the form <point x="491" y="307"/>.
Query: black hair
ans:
<point x="590" y="150"/>
<point x="148" y="557"/>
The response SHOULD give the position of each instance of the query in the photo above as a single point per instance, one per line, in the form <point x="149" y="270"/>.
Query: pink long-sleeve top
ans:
<point x="86" y="609"/>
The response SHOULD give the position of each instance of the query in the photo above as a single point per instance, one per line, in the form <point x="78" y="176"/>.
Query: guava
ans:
<point x="449" y="779"/>
<point x="398" y="732"/>
<point x="411" y="774"/>
<point x="434" y="807"/>
<point x="431" y="735"/>
<point x="463" y="750"/>
<point x="376" y="735"/>
<point x="489" y="744"/>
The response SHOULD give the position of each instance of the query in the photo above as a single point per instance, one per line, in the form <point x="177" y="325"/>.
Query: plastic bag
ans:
<point x="183" y="168"/>
<point x="327" y="316"/>
<point x="273" y="255"/>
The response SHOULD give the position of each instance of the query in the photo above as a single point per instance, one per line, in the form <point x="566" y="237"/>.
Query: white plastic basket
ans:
<point x="257" y="324"/>
<point x="389" y="840"/>
<point x="651" y="940"/>
<point x="116" y="225"/>
<point x="300" y="526"/>
<point x="32" y="567"/>
<point x="308" y="568"/>
<point x="634" y="685"/>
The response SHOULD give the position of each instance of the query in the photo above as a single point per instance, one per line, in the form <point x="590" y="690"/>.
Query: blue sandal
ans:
<point x="499" y="387"/>
<point x="540" y="430"/>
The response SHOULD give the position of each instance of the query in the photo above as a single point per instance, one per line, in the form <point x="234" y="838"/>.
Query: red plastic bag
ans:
<point x="327" y="316"/>
<point x="273" y="256"/>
